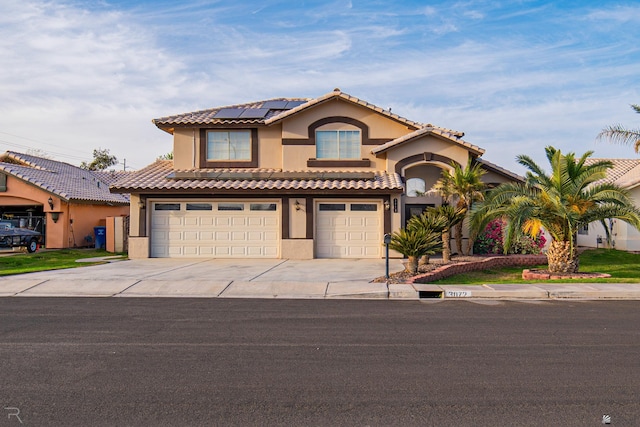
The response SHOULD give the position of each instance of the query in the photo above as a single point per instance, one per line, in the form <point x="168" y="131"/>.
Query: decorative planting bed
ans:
<point x="480" y="264"/>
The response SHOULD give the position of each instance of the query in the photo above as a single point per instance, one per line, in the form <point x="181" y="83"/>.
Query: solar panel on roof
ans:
<point x="275" y="105"/>
<point x="228" y="113"/>
<point x="294" y="104"/>
<point x="254" y="113"/>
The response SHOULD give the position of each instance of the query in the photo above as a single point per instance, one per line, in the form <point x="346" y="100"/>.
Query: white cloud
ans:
<point x="94" y="76"/>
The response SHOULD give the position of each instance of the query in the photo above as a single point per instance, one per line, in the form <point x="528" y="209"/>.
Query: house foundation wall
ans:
<point x="297" y="249"/>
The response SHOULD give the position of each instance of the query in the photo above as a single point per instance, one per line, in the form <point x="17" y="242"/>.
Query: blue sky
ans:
<point x="515" y="76"/>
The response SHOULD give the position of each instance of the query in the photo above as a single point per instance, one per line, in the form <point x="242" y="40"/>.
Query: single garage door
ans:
<point x="217" y="229"/>
<point x="348" y="230"/>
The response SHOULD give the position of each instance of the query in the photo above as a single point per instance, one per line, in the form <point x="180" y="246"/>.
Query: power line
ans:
<point x="87" y="158"/>
<point x="13" y="144"/>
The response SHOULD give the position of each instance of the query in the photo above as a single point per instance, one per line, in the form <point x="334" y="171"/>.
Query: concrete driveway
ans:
<point x="215" y="278"/>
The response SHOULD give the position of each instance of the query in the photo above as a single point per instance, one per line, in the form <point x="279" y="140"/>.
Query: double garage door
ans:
<point x="218" y="229"/>
<point x="239" y="229"/>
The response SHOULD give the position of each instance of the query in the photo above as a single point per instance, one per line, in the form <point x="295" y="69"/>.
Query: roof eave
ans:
<point x="474" y="150"/>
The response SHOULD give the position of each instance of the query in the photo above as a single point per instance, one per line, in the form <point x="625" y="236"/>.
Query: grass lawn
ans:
<point x="623" y="267"/>
<point x="48" y="260"/>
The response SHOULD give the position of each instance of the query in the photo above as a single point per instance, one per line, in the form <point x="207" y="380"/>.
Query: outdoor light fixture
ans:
<point x="297" y="205"/>
<point x="386" y="205"/>
<point x="141" y="205"/>
<point x="55" y="216"/>
<point x="50" y="201"/>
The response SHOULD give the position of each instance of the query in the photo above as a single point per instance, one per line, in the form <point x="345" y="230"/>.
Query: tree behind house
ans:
<point x="101" y="160"/>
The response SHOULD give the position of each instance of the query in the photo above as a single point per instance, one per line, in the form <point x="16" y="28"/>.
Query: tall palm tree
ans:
<point x="572" y="195"/>
<point x="620" y="135"/>
<point x="462" y="187"/>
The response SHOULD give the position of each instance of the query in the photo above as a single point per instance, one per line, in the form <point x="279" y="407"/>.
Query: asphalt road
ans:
<point x="121" y="361"/>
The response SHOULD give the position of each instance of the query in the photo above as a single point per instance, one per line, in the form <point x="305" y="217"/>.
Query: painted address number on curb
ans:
<point x="457" y="294"/>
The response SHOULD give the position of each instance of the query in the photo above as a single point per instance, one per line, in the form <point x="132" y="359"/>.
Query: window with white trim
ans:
<point x="338" y="144"/>
<point x="229" y="145"/>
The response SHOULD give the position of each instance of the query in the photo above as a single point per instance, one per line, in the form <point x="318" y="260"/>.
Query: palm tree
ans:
<point x="462" y="187"/>
<point x="414" y="243"/>
<point x="619" y="134"/>
<point x="452" y="217"/>
<point x="572" y="195"/>
<point x="430" y="221"/>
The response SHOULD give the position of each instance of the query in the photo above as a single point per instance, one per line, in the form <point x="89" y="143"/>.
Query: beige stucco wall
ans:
<point x="270" y="147"/>
<point x="138" y="247"/>
<point x="297" y="249"/>
<point x="183" y="148"/>
<point x="297" y="218"/>
<point x="135" y="212"/>
<point x="430" y="144"/>
<point x="297" y="127"/>
<point x="379" y="125"/>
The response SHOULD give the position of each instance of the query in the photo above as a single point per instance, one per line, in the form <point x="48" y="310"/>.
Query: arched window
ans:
<point x="416" y="187"/>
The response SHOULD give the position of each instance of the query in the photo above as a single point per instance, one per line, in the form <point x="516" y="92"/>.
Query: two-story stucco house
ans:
<point x="290" y="178"/>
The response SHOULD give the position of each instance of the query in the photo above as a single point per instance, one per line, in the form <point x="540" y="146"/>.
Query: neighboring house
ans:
<point x="626" y="174"/>
<point x="61" y="201"/>
<point x="290" y="178"/>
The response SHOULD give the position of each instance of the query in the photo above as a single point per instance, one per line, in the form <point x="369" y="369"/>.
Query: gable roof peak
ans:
<point x="337" y="93"/>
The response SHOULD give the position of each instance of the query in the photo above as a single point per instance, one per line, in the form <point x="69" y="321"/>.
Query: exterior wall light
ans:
<point x="386" y="205"/>
<point x="297" y="205"/>
<point x="50" y="201"/>
<point x="55" y="216"/>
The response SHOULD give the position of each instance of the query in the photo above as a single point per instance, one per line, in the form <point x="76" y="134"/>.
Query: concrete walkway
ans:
<point x="257" y="278"/>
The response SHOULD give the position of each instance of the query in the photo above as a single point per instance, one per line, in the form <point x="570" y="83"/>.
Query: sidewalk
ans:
<point x="285" y="279"/>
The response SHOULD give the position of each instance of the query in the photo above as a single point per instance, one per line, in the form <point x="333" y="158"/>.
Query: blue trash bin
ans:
<point x="101" y="237"/>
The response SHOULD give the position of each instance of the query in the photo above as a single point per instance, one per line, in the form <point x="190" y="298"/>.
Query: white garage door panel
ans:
<point x="178" y="232"/>
<point x="347" y="231"/>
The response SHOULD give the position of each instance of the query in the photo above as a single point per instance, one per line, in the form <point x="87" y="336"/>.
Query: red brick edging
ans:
<point x="489" y="262"/>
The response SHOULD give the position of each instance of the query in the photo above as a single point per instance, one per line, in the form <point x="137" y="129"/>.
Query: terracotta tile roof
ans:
<point x="448" y="134"/>
<point x="273" y="115"/>
<point x="109" y="177"/>
<point x="625" y="172"/>
<point x="156" y="177"/>
<point x="66" y="181"/>
<point x="208" y="117"/>
<point x="337" y="93"/>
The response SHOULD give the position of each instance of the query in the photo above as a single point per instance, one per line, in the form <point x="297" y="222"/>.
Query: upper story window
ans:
<point x="338" y="144"/>
<point x="229" y="145"/>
